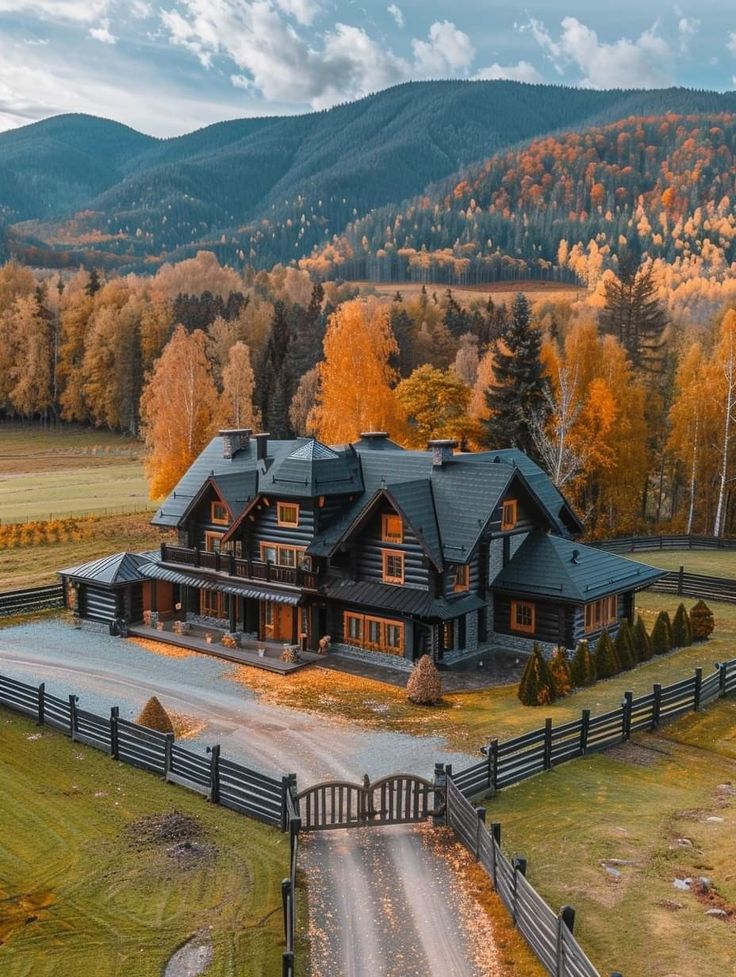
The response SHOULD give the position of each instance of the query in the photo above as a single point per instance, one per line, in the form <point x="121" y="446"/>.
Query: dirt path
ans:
<point x="382" y="902"/>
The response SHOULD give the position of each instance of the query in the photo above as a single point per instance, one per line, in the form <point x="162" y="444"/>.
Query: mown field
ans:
<point x="46" y="472"/>
<point x="711" y="563"/>
<point x="500" y="292"/>
<point x="610" y="834"/>
<point x="96" y="878"/>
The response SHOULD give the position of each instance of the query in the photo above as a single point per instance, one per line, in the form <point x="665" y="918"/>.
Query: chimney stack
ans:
<point x="442" y="450"/>
<point x="261" y="445"/>
<point x="234" y="440"/>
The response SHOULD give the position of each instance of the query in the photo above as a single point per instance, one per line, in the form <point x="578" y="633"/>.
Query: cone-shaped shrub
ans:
<point x="681" y="631"/>
<point x="582" y="670"/>
<point x="155" y="717"/>
<point x="560" y="668"/>
<point x="605" y="657"/>
<point x="701" y="621"/>
<point x="642" y="641"/>
<point x="537" y="686"/>
<point x="424" y="687"/>
<point x="661" y="642"/>
<point x="623" y="646"/>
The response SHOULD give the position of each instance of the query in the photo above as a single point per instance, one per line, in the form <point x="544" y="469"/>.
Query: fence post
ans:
<point x="680" y="580"/>
<point x="168" y="744"/>
<point x="493" y="765"/>
<point x="547" y="754"/>
<point x="566" y="918"/>
<point x="114" y="716"/>
<point x="698" y="688"/>
<point x="626" y="710"/>
<point x="496" y="839"/>
<point x="73" y="700"/>
<point x="722" y="677"/>
<point x="287" y="781"/>
<point x="519" y="866"/>
<point x="41" y="703"/>
<point x="287" y="964"/>
<point x="214" y="752"/>
<point x="441" y="812"/>
<point x="584" y="727"/>
<point x="285" y="898"/>
<point x="656" y="705"/>
<point x="480" y="813"/>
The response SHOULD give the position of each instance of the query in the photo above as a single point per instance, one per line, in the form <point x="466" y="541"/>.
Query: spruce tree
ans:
<point x="642" y="642"/>
<point x="701" y="621"/>
<point x="560" y="668"/>
<point x="661" y="641"/>
<point x="305" y="347"/>
<point x="537" y="687"/>
<point x="623" y="648"/>
<point x="517" y="397"/>
<point x="93" y="283"/>
<point x="634" y="314"/>
<point x="606" y="665"/>
<point x="582" y="670"/>
<point x="275" y="385"/>
<point x="681" y="630"/>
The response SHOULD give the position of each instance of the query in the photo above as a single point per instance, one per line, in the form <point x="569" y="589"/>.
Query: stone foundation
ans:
<point x="399" y="663"/>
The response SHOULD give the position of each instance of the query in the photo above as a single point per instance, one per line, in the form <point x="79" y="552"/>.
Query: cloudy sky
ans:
<point x="169" y="66"/>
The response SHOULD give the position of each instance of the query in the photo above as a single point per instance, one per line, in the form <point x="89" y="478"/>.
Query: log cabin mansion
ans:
<point x="392" y="553"/>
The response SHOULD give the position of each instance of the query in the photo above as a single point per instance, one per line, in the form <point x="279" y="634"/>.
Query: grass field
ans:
<point x="711" y="563"/>
<point x="659" y="809"/>
<point x="87" y="887"/>
<point x="45" y="473"/>
<point x="500" y="292"/>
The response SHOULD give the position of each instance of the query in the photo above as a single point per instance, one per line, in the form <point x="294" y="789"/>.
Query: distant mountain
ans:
<point x="271" y="189"/>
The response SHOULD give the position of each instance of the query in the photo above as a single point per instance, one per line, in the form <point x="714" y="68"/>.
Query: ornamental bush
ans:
<point x="560" y="668"/>
<point x="701" y="621"/>
<point x="682" y="634"/>
<point x="642" y="641"/>
<point x="624" y="647"/>
<point x="424" y="686"/>
<point x="582" y="670"/>
<point x="606" y="664"/>
<point x="537" y="685"/>
<point x="154" y="716"/>
<point x="661" y="641"/>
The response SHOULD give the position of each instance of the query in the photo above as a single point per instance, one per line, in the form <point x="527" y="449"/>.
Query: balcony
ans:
<point x="233" y="566"/>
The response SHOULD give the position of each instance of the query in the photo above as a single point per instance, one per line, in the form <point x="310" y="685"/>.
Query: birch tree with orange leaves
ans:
<point x="238" y="384"/>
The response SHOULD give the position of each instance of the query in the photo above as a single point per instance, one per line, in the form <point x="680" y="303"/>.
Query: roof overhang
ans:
<point x="239" y="589"/>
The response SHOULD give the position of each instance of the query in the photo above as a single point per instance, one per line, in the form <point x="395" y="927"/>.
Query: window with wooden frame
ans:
<point x="212" y="604"/>
<point x="448" y="635"/>
<point x="523" y="616"/>
<point x="373" y="633"/>
<point x="283" y="556"/>
<point x="392" y="528"/>
<point x="212" y="542"/>
<point x="287" y="514"/>
<point x="509" y="515"/>
<point x="460" y="576"/>
<point x="219" y="514"/>
<point x="601" y="614"/>
<point x="393" y="566"/>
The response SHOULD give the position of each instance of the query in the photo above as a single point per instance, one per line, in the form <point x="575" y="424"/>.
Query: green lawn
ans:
<point x="83" y="894"/>
<point x="711" y="563"/>
<point x="645" y="807"/>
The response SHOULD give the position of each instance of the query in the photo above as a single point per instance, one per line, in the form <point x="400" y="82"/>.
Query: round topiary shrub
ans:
<point x="701" y="621"/>
<point x="537" y="686"/>
<point x="606" y="664"/>
<point x="560" y="668"/>
<point x="424" y="686"/>
<point x="154" y="716"/>
<point x="642" y="641"/>
<point x="682" y="635"/>
<point x="624" y="647"/>
<point x="582" y="670"/>
<point x="661" y="641"/>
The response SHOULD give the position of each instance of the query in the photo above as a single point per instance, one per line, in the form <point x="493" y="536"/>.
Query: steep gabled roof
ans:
<point x="550" y="566"/>
<point x="236" y="489"/>
<point x="544" y="488"/>
<point x="115" y="570"/>
<point x="415" y="502"/>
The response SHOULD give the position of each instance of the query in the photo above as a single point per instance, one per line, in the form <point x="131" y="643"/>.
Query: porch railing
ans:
<point x="234" y="566"/>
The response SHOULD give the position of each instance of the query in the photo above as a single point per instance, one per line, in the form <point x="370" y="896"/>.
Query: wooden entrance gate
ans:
<point x="397" y="799"/>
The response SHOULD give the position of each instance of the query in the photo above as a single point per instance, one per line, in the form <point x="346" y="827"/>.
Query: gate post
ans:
<point x="440" y="816"/>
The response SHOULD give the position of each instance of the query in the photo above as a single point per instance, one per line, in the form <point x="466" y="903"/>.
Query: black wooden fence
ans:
<point x="696" y="585"/>
<point x="549" y="934"/>
<point x="31" y="599"/>
<point x="288" y="886"/>
<point x="524" y="756"/>
<point x="646" y="544"/>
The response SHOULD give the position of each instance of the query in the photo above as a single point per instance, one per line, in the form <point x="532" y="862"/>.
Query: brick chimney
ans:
<point x="261" y="441"/>
<point x="442" y="450"/>
<point x="234" y="440"/>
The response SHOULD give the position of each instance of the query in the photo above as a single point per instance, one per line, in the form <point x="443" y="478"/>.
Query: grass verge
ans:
<point x="710" y="563"/>
<point x="85" y="888"/>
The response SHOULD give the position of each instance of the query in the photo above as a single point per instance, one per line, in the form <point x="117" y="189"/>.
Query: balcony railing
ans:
<point x="236" y="567"/>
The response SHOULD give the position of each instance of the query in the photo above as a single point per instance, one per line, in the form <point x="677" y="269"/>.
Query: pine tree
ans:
<point x="93" y="283"/>
<point x="642" y="641"/>
<point x="560" y="668"/>
<point x="276" y="381"/>
<point x="623" y="647"/>
<point x="634" y="314"/>
<point x="606" y="664"/>
<point x="424" y="685"/>
<point x="661" y="641"/>
<point x="682" y="636"/>
<point x="518" y="392"/>
<point x="701" y="621"/>
<point x="582" y="671"/>
<point x="537" y="686"/>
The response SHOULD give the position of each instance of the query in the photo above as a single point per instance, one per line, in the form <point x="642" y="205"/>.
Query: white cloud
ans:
<point x="102" y="33"/>
<point x="140" y="9"/>
<point x="521" y="71"/>
<point x="687" y="28"/>
<point x="240" y="81"/>
<point x="731" y="43"/>
<point x="646" y="62"/>
<point x="80" y="11"/>
<point x="397" y="14"/>
<point x="303" y="11"/>
<point x="447" y="50"/>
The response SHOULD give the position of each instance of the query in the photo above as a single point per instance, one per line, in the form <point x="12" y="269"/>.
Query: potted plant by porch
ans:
<point x="261" y="652"/>
<point x="209" y="637"/>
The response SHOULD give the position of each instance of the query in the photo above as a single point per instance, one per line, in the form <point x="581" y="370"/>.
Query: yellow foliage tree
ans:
<point x="435" y="403"/>
<point x="237" y="393"/>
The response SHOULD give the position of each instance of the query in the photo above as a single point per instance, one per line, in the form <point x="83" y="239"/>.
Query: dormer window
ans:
<point x="393" y="567"/>
<point x="392" y="528"/>
<point x="219" y="514"/>
<point x="287" y="514"/>
<point x="461" y="575"/>
<point x="508" y="515"/>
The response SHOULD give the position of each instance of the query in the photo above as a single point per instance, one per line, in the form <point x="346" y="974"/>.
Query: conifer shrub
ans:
<point x="154" y="716"/>
<point x="537" y="686"/>
<point x="642" y="641"/>
<point x="560" y="668"/>
<point x="606" y="663"/>
<point x="702" y="621"/>
<point x="424" y="686"/>
<point x="582" y="669"/>
<point x="661" y="641"/>
<point x="682" y="636"/>
<point x="624" y="647"/>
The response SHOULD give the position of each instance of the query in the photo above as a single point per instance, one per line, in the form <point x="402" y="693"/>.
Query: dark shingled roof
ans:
<point x="312" y="469"/>
<point x="115" y="570"/>
<point x="549" y="566"/>
<point x="226" y="585"/>
<point x="236" y="489"/>
<point x="401" y="600"/>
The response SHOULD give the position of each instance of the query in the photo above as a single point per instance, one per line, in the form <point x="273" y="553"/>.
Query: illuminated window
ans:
<point x="393" y="567"/>
<point x="600" y="614"/>
<point x="212" y="542"/>
<point x="462" y="577"/>
<point x="448" y="635"/>
<point x="508" y="517"/>
<point x="283" y="556"/>
<point x="392" y="528"/>
<point x="219" y="514"/>
<point x="523" y="616"/>
<point x="287" y="514"/>
<point x="354" y="629"/>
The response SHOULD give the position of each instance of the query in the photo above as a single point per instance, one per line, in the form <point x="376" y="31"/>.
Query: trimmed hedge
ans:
<point x="661" y="634"/>
<point x="582" y="669"/>
<point x="537" y="686"/>
<point x="701" y="621"/>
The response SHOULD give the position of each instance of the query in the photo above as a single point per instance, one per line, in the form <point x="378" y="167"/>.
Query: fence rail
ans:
<point x="17" y="519"/>
<point x="646" y="544"/>
<point x="31" y="599"/>
<point x="549" y="934"/>
<point x="514" y="760"/>
<point x="696" y="585"/>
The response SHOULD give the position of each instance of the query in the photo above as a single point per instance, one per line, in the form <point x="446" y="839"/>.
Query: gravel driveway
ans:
<point x="385" y="904"/>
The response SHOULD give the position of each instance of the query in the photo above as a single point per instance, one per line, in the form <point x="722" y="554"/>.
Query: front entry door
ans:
<point x="278" y="621"/>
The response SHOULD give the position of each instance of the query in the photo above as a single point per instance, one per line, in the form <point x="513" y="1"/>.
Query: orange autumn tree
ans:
<point x="179" y="410"/>
<point x="238" y="384"/>
<point x="356" y="379"/>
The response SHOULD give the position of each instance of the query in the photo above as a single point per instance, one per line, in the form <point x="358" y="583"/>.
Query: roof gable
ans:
<point x="119" y="568"/>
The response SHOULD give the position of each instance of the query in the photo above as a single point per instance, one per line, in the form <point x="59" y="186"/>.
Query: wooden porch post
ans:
<point x="233" y="608"/>
<point x="154" y="596"/>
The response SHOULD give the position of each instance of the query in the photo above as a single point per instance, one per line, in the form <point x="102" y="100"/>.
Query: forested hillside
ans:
<point x="261" y="191"/>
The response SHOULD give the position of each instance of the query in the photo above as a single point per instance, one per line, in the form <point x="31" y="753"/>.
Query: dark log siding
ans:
<point x="369" y="547"/>
<point x="263" y="527"/>
<point x="612" y="629"/>
<point x="473" y="579"/>
<point x="529" y="514"/>
<point x="554" y="623"/>
<point x="200" y="522"/>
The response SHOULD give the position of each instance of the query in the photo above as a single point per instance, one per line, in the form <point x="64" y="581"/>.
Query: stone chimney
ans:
<point x="374" y="438"/>
<point x="234" y="440"/>
<point x="261" y="445"/>
<point x="442" y="450"/>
